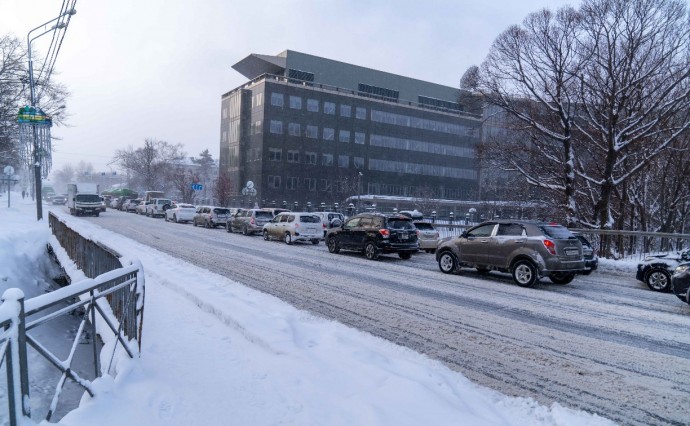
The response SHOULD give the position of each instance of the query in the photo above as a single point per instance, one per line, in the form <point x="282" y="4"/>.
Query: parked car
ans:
<point x="59" y="200"/>
<point x="157" y="207"/>
<point x="655" y="271"/>
<point x="249" y="221"/>
<point x="374" y="234"/>
<point x="590" y="256"/>
<point x="114" y="203"/>
<point x="180" y="212"/>
<point x="427" y="236"/>
<point x="528" y="250"/>
<point x="680" y="282"/>
<point x="211" y="216"/>
<point x="141" y="207"/>
<point x="130" y="206"/>
<point x="294" y="226"/>
<point x="330" y="220"/>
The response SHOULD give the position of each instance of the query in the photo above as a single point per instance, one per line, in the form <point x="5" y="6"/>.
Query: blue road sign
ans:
<point x="197" y="187"/>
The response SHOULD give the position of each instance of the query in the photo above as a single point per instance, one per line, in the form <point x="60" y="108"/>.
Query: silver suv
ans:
<point x="528" y="250"/>
<point x="249" y="221"/>
<point x="210" y="216"/>
<point x="294" y="226"/>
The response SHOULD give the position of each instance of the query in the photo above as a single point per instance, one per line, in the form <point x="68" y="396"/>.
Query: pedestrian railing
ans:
<point x="112" y="304"/>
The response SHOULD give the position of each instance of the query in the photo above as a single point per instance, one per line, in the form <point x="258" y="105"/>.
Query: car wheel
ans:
<point x="245" y="231"/>
<point x="288" y="238"/>
<point x="194" y="221"/>
<point x="658" y="280"/>
<point x="175" y="218"/>
<point x="524" y="273"/>
<point x="315" y="241"/>
<point x="266" y="236"/>
<point x="447" y="263"/>
<point x="370" y="251"/>
<point x="405" y="256"/>
<point x="166" y="218"/>
<point x="206" y="224"/>
<point x="482" y="270"/>
<point x="562" y="277"/>
<point x="333" y="245"/>
<point x="228" y="228"/>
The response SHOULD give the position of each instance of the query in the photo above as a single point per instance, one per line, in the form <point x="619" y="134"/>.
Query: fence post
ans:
<point x="17" y="367"/>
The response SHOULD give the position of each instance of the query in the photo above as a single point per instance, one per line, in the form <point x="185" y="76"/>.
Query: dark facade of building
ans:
<point x="306" y="129"/>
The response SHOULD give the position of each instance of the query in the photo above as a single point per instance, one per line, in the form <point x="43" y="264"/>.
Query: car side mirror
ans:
<point x="166" y="207"/>
<point x="464" y="234"/>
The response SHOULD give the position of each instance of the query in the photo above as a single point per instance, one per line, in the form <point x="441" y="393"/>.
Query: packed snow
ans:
<point x="215" y="352"/>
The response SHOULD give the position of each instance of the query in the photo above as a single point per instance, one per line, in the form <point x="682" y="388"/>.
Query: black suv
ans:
<point x="374" y="234"/>
<point x="680" y="282"/>
<point x="656" y="270"/>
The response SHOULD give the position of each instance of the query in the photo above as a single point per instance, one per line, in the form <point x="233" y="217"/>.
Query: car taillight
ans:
<point x="419" y="233"/>
<point x="251" y="221"/>
<point x="385" y="233"/>
<point x="437" y="235"/>
<point x="324" y="225"/>
<point x="550" y="246"/>
<point x="296" y="225"/>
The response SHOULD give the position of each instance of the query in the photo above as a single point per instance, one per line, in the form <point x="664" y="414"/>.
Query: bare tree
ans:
<point x="151" y="166"/>
<point x="224" y="188"/>
<point x="529" y="75"/>
<point x="182" y="179"/>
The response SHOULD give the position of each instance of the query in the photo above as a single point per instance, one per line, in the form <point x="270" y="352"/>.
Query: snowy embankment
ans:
<point x="217" y="352"/>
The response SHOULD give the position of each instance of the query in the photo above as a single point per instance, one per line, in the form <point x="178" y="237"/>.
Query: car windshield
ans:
<point x="424" y="226"/>
<point x="556" y="231"/>
<point x="400" y="224"/>
<point x="263" y="215"/>
<point x="309" y="219"/>
<point x="221" y="211"/>
<point x="88" y="198"/>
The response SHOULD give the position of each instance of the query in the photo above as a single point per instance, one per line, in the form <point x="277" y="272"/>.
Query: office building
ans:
<point x="306" y="129"/>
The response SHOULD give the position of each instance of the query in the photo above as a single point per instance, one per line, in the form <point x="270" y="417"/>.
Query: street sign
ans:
<point x="197" y="187"/>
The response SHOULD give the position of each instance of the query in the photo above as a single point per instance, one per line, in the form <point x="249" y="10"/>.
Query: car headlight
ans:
<point x="681" y="268"/>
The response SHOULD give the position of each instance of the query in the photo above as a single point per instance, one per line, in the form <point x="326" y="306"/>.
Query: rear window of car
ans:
<point x="309" y="219"/>
<point x="163" y="201"/>
<point x="400" y="224"/>
<point x="88" y="198"/>
<point x="185" y="206"/>
<point x="424" y="226"/>
<point x="556" y="231"/>
<point x="221" y="211"/>
<point x="332" y="216"/>
<point x="263" y="215"/>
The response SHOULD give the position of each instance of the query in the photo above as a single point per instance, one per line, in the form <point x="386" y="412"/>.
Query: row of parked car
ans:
<point x="527" y="250"/>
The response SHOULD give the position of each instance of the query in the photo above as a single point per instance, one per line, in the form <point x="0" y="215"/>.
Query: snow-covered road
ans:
<point x="603" y="343"/>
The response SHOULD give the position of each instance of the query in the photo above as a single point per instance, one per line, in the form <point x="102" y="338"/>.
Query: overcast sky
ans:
<point x="157" y="69"/>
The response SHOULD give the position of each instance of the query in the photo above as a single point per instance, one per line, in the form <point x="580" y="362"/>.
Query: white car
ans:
<point x="180" y="212"/>
<point x="294" y="226"/>
<point x="330" y="220"/>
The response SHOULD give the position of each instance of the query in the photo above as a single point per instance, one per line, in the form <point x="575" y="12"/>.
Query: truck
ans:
<point x="83" y="199"/>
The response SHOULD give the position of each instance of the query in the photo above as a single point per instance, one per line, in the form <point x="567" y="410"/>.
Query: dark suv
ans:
<point x="528" y="250"/>
<point x="374" y="234"/>
<point x="656" y="270"/>
<point x="681" y="282"/>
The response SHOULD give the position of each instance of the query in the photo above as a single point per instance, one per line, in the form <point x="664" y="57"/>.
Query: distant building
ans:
<point x="306" y="129"/>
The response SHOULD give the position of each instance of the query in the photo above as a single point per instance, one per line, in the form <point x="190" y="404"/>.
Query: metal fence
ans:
<point x="112" y="301"/>
<point x="608" y="243"/>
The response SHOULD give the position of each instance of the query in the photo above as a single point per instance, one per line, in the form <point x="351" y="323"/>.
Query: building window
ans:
<point x="312" y="132"/>
<point x="294" y="129"/>
<point x="257" y="127"/>
<point x="326" y="159"/>
<point x="358" y="162"/>
<point x="277" y="99"/>
<point x="295" y="102"/>
<point x="313" y="105"/>
<point x="361" y="113"/>
<point x="310" y="157"/>
<point x="328" y="134"/>
<point x="273" y="181"/>
<point x="258" y="100"/>
<point x="329" y="108"/>
<point x="310" y="184"/>
<point x="359" y="138"/>
<point x="344" y="136"/>
<point x="277" y="127"/>
<point x="275" y="154"/>
<point x="292" y="183"/>
<point x="326" y="185"/>
<point x="343" y="161"/>
<point x="345" y="110"/>
<point x="293" y="156"/>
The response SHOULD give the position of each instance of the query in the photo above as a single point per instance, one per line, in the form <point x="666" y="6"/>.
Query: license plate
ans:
<point x="403" y="236"/>
<point x="572" y="252"/>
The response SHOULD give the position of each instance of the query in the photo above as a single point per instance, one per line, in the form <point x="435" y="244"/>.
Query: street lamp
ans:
<point x="37" y="154"/>
<point x="359" y="190"/>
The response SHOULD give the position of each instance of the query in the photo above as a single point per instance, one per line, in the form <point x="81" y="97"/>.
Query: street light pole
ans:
<point x="37" y="154"/>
